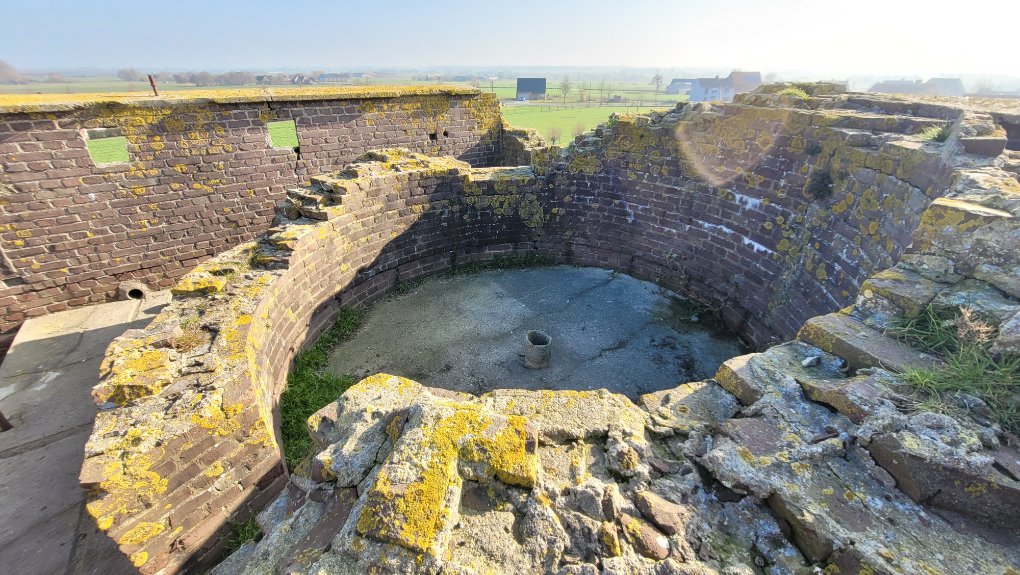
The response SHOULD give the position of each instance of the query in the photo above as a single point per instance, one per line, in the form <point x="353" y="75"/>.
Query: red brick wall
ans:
<point x="202" y="177"/>
<point x="166" y="495"/>
<point x="720" y="208"/>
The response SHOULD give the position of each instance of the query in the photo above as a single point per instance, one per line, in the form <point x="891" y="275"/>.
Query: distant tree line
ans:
<point x="236" y="78"/>
<point x="8" y="75"/>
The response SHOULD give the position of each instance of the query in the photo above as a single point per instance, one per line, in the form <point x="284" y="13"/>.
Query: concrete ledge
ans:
<point x="30" y="103"/>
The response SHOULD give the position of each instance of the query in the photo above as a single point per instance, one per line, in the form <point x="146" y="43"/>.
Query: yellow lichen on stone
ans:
<point x="214" y="470"/>
<point x="199" y="284"/>
<point x="954" y="216"/>
<point x="746" y="455"/>
<point x="218" y="419"/>
<point x="134" y="373"/>
<point x="412" y="510"/>
<point x="976" y="489"/>
<point x="127" y="480"/>
<point x="141" y="533"/>
<point x="800" y="466"/>
<point x="137" y="106"/>
<point x="139" y="558"/>
<point x="511" y="453"/>
<point x="585" y="163"/>
<point x="610" y="540"/>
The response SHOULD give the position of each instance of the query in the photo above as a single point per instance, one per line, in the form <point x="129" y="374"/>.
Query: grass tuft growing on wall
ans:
<point x="820" y="185"/>
<point x="795" y="92"/>
<point x="963" y="342"/>
<point x="937" y="133"/>
<point x="243" y="532"/>
<point x="311" y="386"/>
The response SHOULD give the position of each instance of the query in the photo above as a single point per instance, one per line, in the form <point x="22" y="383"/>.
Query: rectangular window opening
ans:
<point x="283" y="134"/>
<point x="107" y="146"/>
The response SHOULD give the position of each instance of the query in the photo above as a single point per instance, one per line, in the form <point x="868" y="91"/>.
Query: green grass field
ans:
<point x="566" y="120"/>
<point x="283" y="134"/>
<point x="109" y="150"/>
<point x="507" y="89"/>
<point x="90" y="84"/>
<point x="542" y="116"/>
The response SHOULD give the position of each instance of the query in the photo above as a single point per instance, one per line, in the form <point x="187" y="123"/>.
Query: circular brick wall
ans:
<point x="728" y="206"/>
<point x="198" y="387"/>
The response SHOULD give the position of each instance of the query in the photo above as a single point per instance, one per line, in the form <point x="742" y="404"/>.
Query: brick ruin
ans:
<point x="202" y="176"/>
<point x="822" y="219"/>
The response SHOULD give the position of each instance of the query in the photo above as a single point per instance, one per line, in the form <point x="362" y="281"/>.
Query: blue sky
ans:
<point x="909" y="37"/>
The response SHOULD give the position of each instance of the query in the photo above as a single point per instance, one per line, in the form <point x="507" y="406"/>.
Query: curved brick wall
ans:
<point x="715" y="202"/>
<point x="202" y="176"/>
<point x="199" y="385"/>
<point x="719" y="204"/>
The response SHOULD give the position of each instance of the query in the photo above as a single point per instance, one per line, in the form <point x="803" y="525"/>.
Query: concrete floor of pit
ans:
<point x="467" y="333"/>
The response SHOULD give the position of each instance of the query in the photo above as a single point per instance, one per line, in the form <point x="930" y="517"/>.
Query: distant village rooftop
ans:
<point x="932" y="87"/>
<point x="715" y="89"/>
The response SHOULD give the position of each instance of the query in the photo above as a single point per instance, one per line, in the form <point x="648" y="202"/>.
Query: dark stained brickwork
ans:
<point x="771" y="215"/>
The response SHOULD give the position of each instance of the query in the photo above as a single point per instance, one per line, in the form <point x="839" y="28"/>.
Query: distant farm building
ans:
<point x="680" y="86"/>
<point x="933" y="87"/>
<point x="335" y="77"/>
<point x="993" y="93"/>
<point x="530" y="88"/>
<point x="723" y="89"/>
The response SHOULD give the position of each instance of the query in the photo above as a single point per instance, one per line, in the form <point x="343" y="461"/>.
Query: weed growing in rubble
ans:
<point x="795" y="92"/>
<point x="963" y="342"/>
<point x="820" y="185"/>
<point x="243" y="532"/>
<point x="311" y="386"/>
<point x="937" y="133"/>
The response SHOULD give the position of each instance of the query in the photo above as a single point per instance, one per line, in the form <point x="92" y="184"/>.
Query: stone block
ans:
<point x="969" y="488"/>
<point x="861" y="346"/>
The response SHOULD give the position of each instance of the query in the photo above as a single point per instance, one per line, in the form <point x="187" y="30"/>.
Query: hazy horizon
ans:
<point x="823" y="38"/>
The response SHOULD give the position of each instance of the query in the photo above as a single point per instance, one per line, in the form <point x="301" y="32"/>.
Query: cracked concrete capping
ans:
<point x="46" y="382"/>
<point x="20" y="103"/>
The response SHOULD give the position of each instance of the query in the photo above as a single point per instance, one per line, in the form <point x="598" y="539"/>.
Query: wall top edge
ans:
<point x="29" y="103"/>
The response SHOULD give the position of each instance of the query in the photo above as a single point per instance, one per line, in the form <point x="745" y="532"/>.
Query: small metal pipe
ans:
<point x="152" y="82"/>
